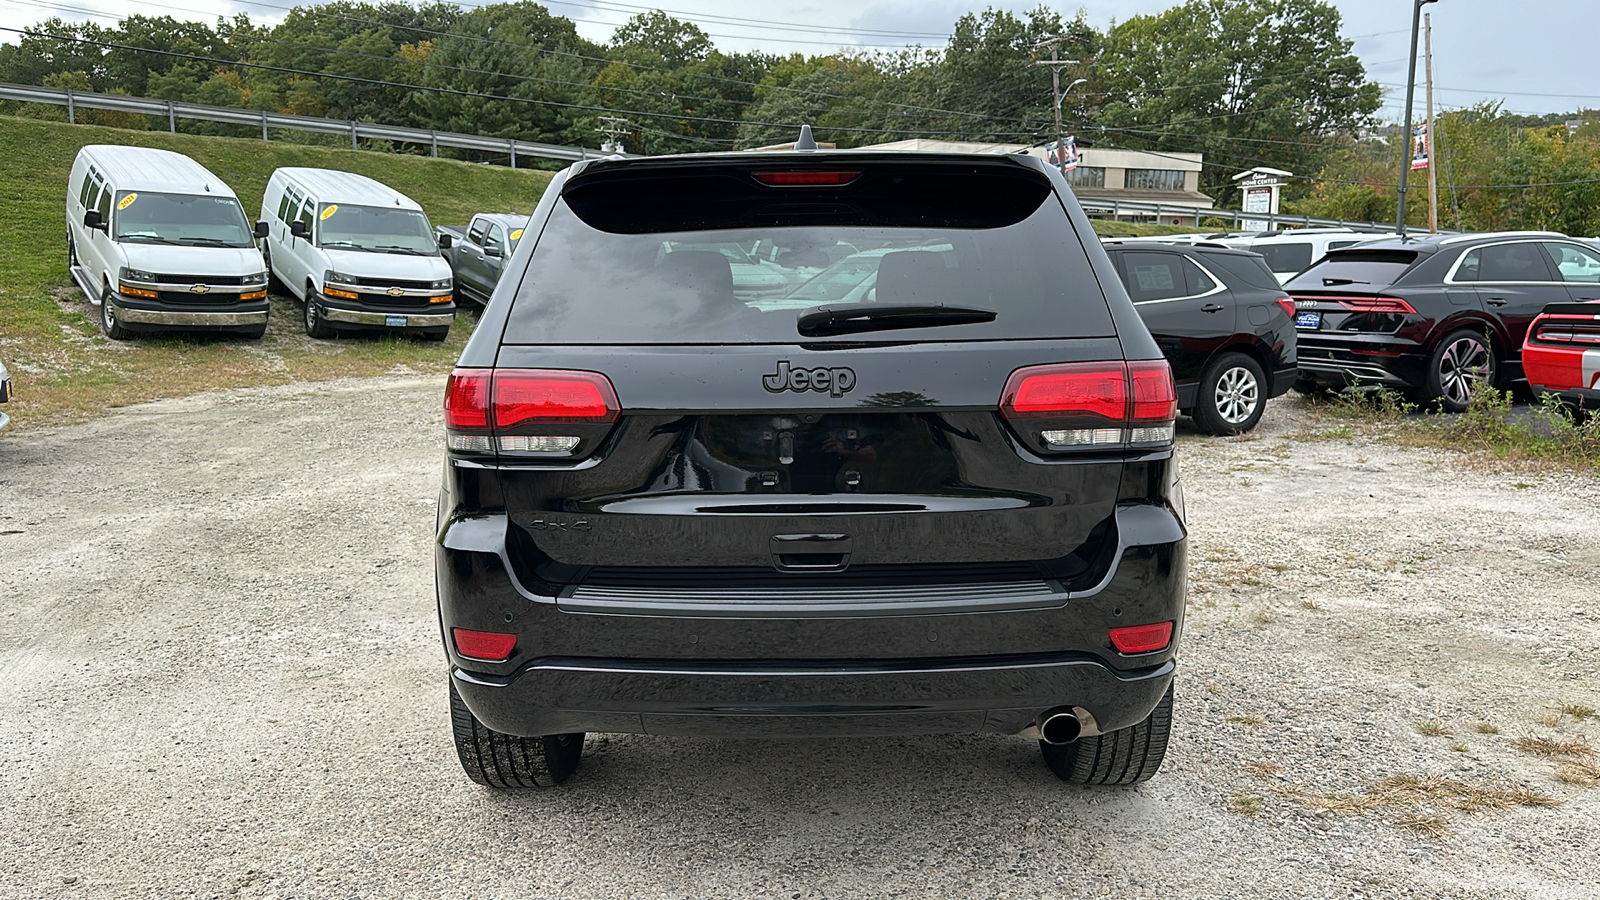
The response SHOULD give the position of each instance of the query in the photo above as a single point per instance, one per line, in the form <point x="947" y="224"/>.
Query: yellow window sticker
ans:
<point x="127" y="201"/>
<point x="516" y="235"/>
<point x="332" y="208"/>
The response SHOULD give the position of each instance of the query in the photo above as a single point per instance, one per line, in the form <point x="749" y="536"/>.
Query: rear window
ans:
<point x="1372" y="269"/>
<point x="1284" y="257"/>
<point x="707" y="255"/>
<point x="1251" y="270"/>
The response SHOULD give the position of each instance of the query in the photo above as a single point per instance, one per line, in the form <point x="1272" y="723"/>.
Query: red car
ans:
<point x="1561" y="353"/>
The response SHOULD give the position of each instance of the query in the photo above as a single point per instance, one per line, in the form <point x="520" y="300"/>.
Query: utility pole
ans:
<point x="1055" y="63"/>
<point x="613" y="127"/>
<point x="1405" y="134"/>
<point x="1433" y="143"/>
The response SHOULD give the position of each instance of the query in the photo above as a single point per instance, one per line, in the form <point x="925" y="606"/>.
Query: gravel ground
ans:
<point x="216" y="621"/>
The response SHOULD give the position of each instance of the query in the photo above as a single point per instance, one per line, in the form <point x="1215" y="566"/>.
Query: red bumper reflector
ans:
<point x="490" y="646"/>
<point x="1142" y="638"/>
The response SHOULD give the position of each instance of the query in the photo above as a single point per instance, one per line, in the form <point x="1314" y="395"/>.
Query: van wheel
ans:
<point x="1125" y="756"/>
<point x="1232" y="395"/>
<point x="507" y="761"/>
<point x="108" y="318"/>
<point x="72" y="251"/>
<point x="315" y="326"/>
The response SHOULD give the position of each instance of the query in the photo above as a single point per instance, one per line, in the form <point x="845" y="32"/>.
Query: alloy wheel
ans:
<point x="1237" y="395"/>
<point x="1463" y="366"/>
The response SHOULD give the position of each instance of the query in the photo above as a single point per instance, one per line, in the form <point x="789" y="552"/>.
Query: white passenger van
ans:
<point x="156" y="241"/>
<point x="357" y="254"/>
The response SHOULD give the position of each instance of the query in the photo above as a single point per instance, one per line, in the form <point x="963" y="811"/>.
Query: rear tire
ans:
<point x="1122" y="757"/>
<point x="1232" y="395"/>
<point x="108" y="318"/>
<point x="506" y="761"/>
<point x="1458" y="364"/>
<point x="274" y="284"/>
<point x="315" y="326"/>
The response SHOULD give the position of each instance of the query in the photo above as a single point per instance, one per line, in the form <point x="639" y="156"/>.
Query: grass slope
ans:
<point x="64" y="370"/>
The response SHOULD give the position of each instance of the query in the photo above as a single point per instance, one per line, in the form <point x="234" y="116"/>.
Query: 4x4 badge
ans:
<point x="837" y="382"/>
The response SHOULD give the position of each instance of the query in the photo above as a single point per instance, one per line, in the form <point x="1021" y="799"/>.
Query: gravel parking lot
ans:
<point x="224" y="679"/>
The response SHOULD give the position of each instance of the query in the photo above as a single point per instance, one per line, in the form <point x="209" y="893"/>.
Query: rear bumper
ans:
<point x="748" y="700"/>
<point x="1362" y="360"/>
<point x="924" y="668"/>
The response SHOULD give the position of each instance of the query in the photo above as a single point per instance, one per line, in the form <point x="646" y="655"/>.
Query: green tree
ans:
<point x="1247" y="82"/>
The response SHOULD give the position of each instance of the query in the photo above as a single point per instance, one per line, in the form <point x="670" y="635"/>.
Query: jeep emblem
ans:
<point x="837" y="382"/>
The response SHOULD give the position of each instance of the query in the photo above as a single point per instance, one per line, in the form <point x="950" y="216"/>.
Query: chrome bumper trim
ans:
<point x="1352" y="370"/>
<point x="413" y="320"/>
<point x="163" y="317"/>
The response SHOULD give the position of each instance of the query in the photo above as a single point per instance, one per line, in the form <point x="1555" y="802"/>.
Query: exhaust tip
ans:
<point x="1059" y="727"/>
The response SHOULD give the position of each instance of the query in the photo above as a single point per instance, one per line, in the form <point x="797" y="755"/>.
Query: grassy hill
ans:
<point x="64" y="369"/>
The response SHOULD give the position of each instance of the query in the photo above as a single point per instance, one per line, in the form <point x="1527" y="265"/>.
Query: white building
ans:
<point x="1106" y="177"/>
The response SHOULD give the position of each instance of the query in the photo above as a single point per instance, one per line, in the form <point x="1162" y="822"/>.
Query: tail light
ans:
<point x="527" y="412"/>
<point x="1142" y="638"/>
<point x="1567" y="329"/>
<point x="1377" y="305"/>
<point x="1087" y="405"/>
<point x="489" y="646"/>
<point x="1287" y="305"/>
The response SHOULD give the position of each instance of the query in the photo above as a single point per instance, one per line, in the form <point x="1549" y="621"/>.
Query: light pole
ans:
<point x="1405" y="135"/>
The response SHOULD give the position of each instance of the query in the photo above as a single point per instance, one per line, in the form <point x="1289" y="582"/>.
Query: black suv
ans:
<point x="1225" y="325"/>
<point x="676" y="506"/>
<point x="1434" y="316"/>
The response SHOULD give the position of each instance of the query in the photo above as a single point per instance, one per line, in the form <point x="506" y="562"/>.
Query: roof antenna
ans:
<point x="806" y="142"/>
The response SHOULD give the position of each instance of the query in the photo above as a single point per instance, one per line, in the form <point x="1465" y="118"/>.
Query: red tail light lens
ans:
<point x="1094" y="404"/>
<point x="482" y="405"/>
<point x="1377" y="305"/>
<point x="808" y="178"/>
<point x="1287" y="305"/>
<point x="554" y="396"/>
<point x="1142" y="638"/>
<point x="1068" y="390"/>
<point x="466" y="399"/>
<point x="489" y="646"/>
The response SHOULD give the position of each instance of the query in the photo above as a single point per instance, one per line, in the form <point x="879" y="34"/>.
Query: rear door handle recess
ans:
<point x="811" y="552"/>
<point x="1211" y="307"/>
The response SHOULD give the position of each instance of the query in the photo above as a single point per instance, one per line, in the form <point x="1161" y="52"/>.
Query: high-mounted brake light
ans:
<point x="1142" y="638"/>
<point x="1102" y="404"/>
<point x="489" y="646"/>
<point x="482" y="405"/>
<point x="807" y="178"/>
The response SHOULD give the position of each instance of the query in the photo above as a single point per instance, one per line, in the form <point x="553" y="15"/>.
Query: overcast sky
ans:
<point x="1536" y="55"/>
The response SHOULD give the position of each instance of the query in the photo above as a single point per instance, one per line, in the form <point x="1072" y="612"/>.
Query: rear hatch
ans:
<point x="670" y="437"/>
<point x="1346" y="292"/>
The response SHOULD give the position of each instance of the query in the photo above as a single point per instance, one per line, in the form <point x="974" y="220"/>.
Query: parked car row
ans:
<point x="156" y="241"/>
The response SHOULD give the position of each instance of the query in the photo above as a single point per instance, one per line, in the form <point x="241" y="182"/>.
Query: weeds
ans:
<point x="1422" y="803"/>
<point x="1251" y="721"/>
<point x="1486" y="728"/>
<point x="1575" y="759"/>
<point x="1433" y="728"/>
<point x="1245" y="804"/>
<point x="1262" y="768"/>
<point x="1578" y="711"/>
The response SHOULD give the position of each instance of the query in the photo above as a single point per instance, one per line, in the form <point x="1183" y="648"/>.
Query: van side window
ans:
<point x="283" y="206"/>
<point x="84" y="189"/>
<point x="475" y="234"/>
<point x="104" y="204"/>
<point x="308" y="213"/>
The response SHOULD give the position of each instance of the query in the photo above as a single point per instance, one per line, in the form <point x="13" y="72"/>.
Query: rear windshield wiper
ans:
<point x="852" y="318"/>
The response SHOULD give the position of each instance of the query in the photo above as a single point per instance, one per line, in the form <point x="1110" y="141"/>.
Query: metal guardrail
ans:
<point x="173" y="110"/>
<point x="1120" y="208"/>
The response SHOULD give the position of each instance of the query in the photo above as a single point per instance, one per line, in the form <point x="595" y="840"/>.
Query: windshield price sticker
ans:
<point x="127" y="201"/>
<point x="516" y="235"/>
<point x="329" y="211"/>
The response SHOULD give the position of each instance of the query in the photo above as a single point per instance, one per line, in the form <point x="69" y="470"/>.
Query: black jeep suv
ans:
<point x="1434" y="316"/>
<point x="670" y="508"/>
<point x="1223" y="322"/>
